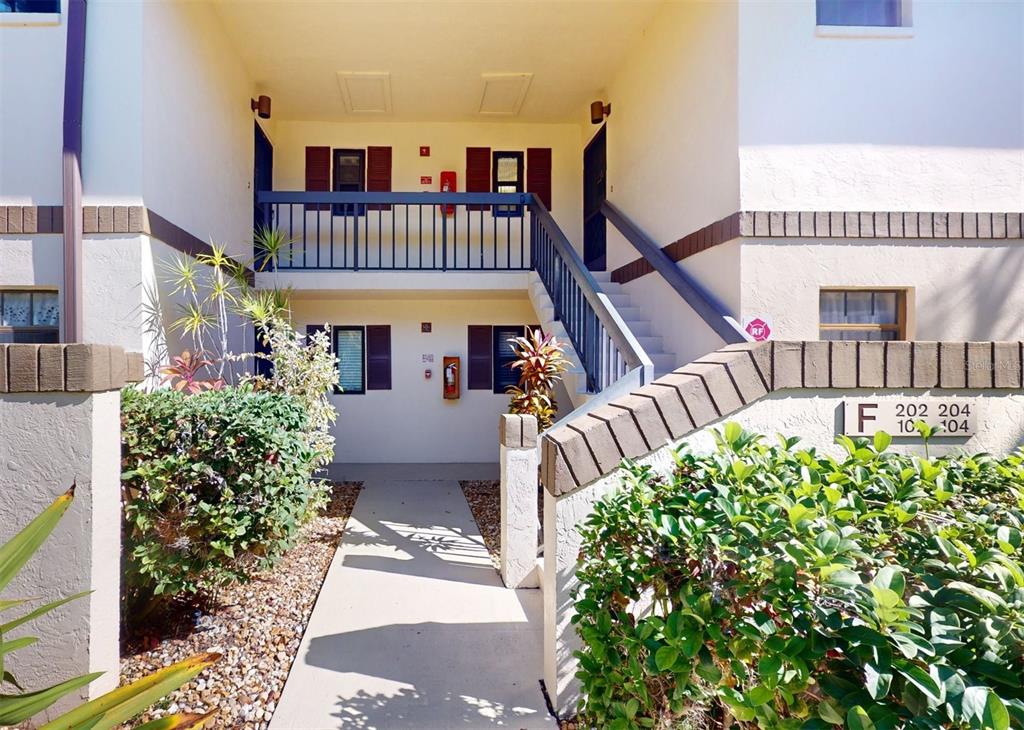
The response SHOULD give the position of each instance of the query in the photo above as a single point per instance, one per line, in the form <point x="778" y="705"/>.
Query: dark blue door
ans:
<point x="594" y="193"/>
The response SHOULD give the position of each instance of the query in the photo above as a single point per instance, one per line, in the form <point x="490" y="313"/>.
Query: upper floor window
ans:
<point x="863" y="314"/>
<point x="29" y="6"/>
<point x="508" y="178"/>
<point x="874" y="13"/>
<point x="29" y="316"/>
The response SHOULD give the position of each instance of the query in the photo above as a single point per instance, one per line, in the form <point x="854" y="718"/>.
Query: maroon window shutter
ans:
<point x="318" y="172"/>
<point x="538" y="173"/>
<point x="378" y="173"/>
<point x="378" y="357"/>
<point x="478" y="173"/>
<point x="479" y="365"/>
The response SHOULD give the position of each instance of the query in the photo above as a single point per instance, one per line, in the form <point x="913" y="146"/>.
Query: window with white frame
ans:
<point x="29" y="316"/>
<point x="863" y="314"/>
<point x="864" y="13"/>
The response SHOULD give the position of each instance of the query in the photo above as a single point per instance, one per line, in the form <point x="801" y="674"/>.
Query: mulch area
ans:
<point x="484" y="499"/>
<point x="257" y="627"/>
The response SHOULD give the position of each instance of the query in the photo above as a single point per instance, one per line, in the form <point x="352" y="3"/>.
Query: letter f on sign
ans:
<point x="863" y="416"/>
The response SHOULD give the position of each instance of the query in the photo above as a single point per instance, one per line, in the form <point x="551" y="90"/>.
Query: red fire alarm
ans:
<point x="424" y="150"/>
<point x="426" y="179"/>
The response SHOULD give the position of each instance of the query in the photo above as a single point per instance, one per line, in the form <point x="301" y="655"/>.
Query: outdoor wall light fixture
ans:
<point x="261" y="105"/>
<point x="598" y="111"/>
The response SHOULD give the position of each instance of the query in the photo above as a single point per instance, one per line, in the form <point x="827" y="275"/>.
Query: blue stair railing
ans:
<point x="608" y="352"/>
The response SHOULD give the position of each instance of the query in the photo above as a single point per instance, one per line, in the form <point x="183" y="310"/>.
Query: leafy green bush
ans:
<point x="215" y="485"/>
<point x="781" y="588"/>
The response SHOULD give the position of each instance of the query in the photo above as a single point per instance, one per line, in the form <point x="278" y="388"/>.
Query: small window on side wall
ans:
<point x="29" y="6"/>
<point x="863" y="314"/>
<point x="29" y="316"/>
<point x="861" y="13"/>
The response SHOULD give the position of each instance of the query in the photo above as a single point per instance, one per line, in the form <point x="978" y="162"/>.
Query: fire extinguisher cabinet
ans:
<point x="451" y="377"/>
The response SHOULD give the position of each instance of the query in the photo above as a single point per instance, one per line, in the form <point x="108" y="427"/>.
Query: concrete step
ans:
<point x="663" y="362"/>
<point x="652" y="345"/>
<point x="639" y="327"/>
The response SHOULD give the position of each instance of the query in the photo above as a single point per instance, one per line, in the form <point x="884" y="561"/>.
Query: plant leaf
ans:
<point x="46" y="608"/>
<point x="18" y="708"/>
<point x="16" y="551"/>
<point x="124" y="703"/>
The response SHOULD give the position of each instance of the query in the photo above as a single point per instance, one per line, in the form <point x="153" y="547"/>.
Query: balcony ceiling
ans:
<point x="437" y="56"/>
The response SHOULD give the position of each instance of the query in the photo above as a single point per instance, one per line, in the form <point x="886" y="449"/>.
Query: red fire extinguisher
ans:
<point x="448" y="185"/>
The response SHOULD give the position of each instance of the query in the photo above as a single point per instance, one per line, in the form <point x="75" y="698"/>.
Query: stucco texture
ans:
<point x="47" y="443"/>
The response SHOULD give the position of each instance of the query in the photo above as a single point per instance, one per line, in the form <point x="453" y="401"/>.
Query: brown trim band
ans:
<point x="879" y="224"/>
<point x="70" y="368"/>
<point x="700" y="240"/>
<point x="104" y="219"/>
<point x="833" y="224"/>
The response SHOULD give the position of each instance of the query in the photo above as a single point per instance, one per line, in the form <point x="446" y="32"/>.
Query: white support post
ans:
<point x="519" y="499"/>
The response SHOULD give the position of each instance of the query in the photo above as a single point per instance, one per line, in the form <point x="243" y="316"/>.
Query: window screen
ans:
<point x="504" y="376"/>
<point x="857" y="314"/>
<point x="29" y="316"/>
<point x="860" y="12"/>
<point x="350" y="347"/>
<point x="349" y="177"/>
<point x="508" y="178"/>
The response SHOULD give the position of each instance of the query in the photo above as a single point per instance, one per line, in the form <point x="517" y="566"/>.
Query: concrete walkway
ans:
<point x="413" y="627"/>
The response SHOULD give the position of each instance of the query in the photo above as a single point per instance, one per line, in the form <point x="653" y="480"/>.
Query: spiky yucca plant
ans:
<point x="541" y="361"/>
<point x="108" y="711"/>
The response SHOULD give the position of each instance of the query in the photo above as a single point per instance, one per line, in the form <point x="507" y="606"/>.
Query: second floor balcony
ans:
<point x="399" y="231"/>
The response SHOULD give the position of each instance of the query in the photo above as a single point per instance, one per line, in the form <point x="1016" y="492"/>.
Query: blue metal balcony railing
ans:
<point x="336" y="231"/>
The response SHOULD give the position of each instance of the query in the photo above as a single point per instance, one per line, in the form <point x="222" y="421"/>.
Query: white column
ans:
<point x="519" y="524"/>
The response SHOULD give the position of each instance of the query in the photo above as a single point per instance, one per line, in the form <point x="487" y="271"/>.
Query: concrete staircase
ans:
<point x="575" y="379"/>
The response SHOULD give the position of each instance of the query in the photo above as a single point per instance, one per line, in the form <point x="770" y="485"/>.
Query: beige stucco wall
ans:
<point x="30" y="140"/>
<point x="672" y="133"/>
<point x="197" y="125"/>
<point x="960" y="290"/>
<point x="448" y="143"/>
<point x="412" y="422"/>
<point x="930" y="117"/>
<point x="47" y="442"/>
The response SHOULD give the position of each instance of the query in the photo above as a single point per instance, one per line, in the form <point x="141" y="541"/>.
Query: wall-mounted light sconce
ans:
<point x="598" y="111"/>
<point x="261" y="105"/>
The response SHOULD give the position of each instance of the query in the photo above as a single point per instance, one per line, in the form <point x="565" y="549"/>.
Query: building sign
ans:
<point x="897" y="416"/>
<point x="759" y="328"/>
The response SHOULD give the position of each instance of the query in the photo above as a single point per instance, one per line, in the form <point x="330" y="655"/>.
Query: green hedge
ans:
<point x="215" y="486"/>
<point x="768" y="586"/>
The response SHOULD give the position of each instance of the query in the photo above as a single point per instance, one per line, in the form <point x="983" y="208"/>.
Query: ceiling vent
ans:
<point x="366" y="92"/>
<point x="503" y="94"/>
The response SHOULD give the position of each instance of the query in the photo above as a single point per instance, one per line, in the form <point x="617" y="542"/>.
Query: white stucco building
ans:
<point x="809" y="170"/>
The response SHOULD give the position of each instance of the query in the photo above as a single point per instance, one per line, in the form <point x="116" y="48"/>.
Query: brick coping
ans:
<point x="722" y="382"/>
<point x="69" y="368"/>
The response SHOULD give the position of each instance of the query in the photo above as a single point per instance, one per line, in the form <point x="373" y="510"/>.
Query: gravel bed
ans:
<point x="257" y="627"/>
